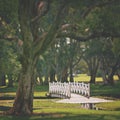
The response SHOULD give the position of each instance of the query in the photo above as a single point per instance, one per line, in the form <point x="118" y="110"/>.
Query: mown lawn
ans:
<point x="86" y="78"/>
<point x="47" y="109"/>
<point x="66" y="112"/>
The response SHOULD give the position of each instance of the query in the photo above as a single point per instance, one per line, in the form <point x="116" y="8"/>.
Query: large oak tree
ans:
<point x="33" y="44"/>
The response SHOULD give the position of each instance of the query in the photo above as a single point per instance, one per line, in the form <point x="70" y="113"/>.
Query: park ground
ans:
<point x="47" y="109"/>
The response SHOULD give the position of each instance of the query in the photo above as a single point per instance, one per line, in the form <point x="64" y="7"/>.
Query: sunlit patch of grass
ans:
<point x="53" y="107"/>
<point x="51" y="104"/>
<point x="10" y="94"/>
<point x="82" y="78"/>
<point x="86" y="78"/>
<point x="113" y="106"/>
<point x="2" y="87"/>
<point x="40" y="94"/>
<point x="116" y="77"/>
<point x="72" y="111"/>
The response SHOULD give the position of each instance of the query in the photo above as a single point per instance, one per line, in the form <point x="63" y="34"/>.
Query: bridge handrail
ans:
<point x="59" y="89"/>
<point x="80" y="88"/>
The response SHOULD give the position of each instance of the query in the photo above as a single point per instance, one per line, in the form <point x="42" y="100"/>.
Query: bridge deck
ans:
<point x="75" y="98"/>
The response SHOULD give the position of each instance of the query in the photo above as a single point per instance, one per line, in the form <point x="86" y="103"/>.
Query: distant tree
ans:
<point x="109" y="62"/>
<point x="8" y="62"/>
<point x="92" y="57"/>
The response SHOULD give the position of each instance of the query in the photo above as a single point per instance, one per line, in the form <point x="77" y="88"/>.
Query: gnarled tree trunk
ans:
<point x="33" y="45"/>
<point x="23" y="104"/>
<point x="93" y="64"/>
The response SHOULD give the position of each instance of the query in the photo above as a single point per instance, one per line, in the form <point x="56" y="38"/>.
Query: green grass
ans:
<point x="86" y="78"/>
<point x="106" y="91"/>
<point x="112" y="106"/>
<point x="48" y="109"/>
<point x="82" y="77"/>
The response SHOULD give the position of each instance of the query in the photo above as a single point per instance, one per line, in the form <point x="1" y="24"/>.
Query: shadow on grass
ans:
<point x="117" y="109"/>
<point x="106" y="90"/>
<point x="7" y="98"/>
<point x="12" y="98"/>
<point x="4" y="108"/>
<point x="62" y="116"/>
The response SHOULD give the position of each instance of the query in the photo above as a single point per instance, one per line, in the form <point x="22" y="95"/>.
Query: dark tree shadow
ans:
<point x="4" y="108"/>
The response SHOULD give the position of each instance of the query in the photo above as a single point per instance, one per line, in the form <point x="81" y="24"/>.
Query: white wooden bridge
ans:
<point x="69" y="90"/>
<point x="64" y="90"/>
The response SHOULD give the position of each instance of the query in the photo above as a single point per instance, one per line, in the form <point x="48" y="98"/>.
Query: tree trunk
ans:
<point x="2" y="79"/>
<point x="46" y="81"/>
<point x="93" y="78"/>
<point x="93" y="64"/>
<point x="40" y="79"/>
<point x="64" y="75"/>
<point x="114" y="69"/>
<point x="110" y="76"/>
<point x="23" y="104"/>
<point x="10" y="81"/>
<point x="31" y="49"/>
<point x="52" y="75"/>
<point x="118" y="74"/>
<point x="105" y="80"/>
<point x="103" y="71"/>
<point x="110" y="79"/>
<point x="71" y="72"/>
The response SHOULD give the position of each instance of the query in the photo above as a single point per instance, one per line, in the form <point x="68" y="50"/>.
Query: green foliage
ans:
<point x="93" y="48"/>
<point x="9" y="10"/>
<point x="110" y="19"/>
<point x="105" y="19"/>
<point x="8" y="59"/>
<point x="116" y="47"/>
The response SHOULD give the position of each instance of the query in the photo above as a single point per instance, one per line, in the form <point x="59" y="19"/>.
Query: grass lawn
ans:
<point x="47" y="109"/>
<point x="86" y="78"/>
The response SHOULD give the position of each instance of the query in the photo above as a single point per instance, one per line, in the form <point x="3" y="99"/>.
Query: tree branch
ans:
<point x="102" y="4"/>
<point x="74" y="36"/>
<point x="41" y="9"/>
<point x="49" y="37"/>
<point x="9" y="38"/>
<point x="90" y="36"/>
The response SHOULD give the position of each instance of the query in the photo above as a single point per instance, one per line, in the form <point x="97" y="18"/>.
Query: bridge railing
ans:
<point x="58" y="89"/>
<point x="80" y="88"/>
